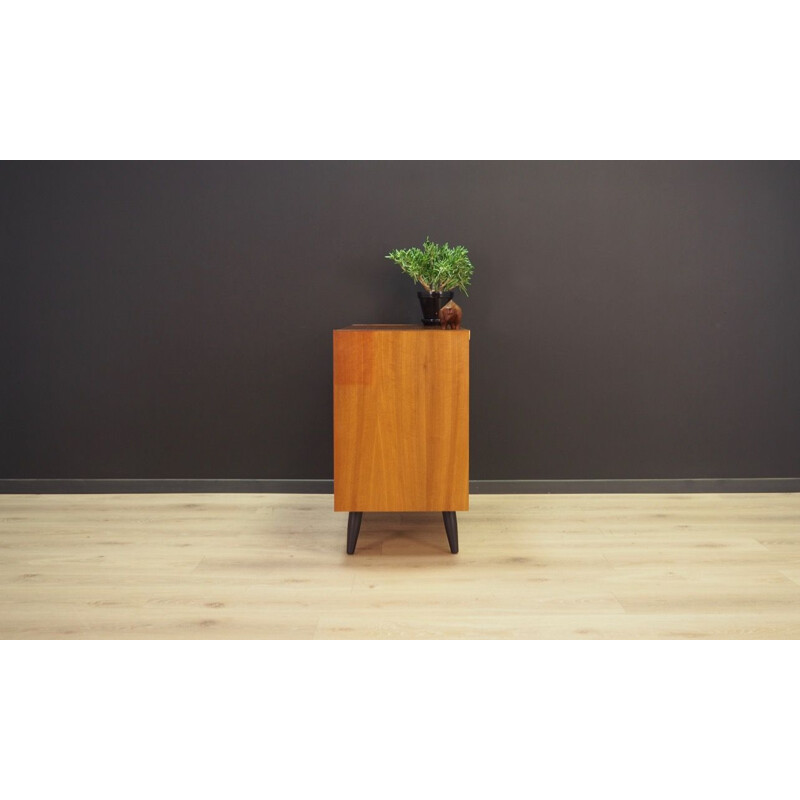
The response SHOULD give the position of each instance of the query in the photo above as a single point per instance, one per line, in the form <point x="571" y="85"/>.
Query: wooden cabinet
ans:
<point x="401" y="422"/>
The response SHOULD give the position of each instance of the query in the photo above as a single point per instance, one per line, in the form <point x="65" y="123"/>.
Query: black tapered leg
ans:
<point x="353" y="527"/>
<point x="451" y="526"/>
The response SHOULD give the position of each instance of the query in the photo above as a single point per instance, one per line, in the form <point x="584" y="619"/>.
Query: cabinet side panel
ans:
<point x="401" y="430"/>
<point x="447" y="424"/>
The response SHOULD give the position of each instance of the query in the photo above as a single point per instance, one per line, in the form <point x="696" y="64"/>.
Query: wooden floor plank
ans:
<point x="227" y="566"/>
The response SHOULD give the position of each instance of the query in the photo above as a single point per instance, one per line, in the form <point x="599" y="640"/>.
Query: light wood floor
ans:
<point x="189" y="566"/>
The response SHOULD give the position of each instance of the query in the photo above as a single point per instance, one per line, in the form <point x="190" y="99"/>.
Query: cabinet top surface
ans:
<point x="405" y="328"/>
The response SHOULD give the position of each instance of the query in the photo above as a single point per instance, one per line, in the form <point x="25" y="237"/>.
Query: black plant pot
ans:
<point x="431" y="302"/>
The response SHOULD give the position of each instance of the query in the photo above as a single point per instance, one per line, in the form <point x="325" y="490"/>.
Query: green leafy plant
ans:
<point x="438" y="267"/>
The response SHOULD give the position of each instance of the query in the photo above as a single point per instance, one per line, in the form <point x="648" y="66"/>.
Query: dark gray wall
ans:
<point x="173" y="320"/>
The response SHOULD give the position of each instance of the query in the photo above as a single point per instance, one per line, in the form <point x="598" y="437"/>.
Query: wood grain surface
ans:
<point x="255" y="566"/>
<point x="401" y="419"/>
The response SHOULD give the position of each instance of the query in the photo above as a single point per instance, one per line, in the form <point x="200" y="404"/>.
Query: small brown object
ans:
<point x="450" y="316"/>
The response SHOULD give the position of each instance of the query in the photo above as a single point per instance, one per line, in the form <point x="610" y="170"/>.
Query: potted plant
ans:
<point x="439" y="269"/>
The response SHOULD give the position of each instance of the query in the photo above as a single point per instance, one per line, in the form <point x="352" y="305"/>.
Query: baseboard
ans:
<point x="325" y="486"/>
<point x="643" y="486"/>
<point x="161" y="485"/>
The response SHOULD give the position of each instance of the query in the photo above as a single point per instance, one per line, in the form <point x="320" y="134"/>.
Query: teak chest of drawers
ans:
<point x="400" y="422"/>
